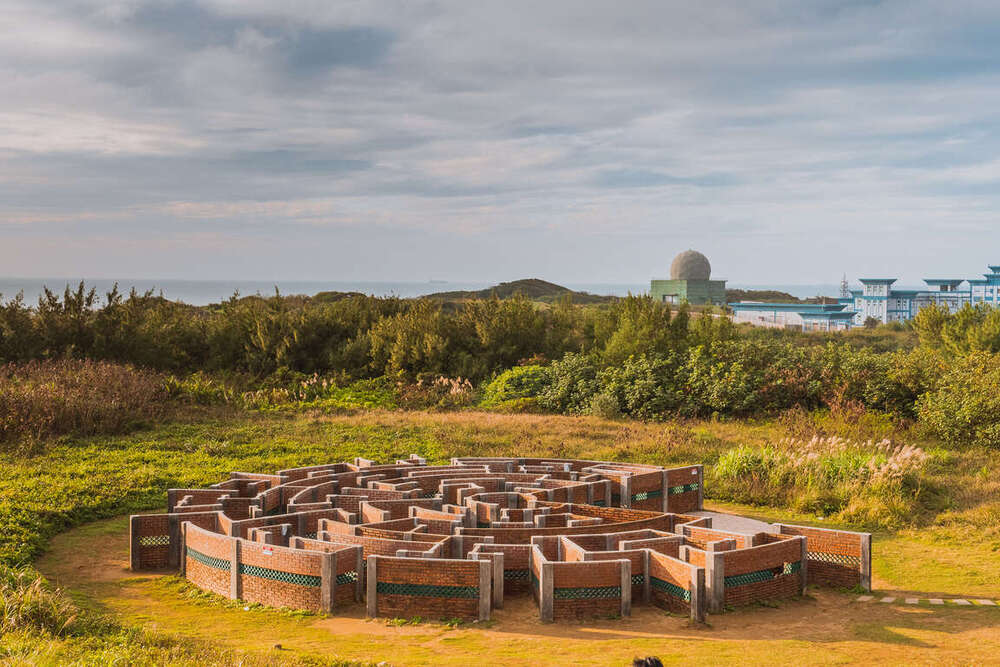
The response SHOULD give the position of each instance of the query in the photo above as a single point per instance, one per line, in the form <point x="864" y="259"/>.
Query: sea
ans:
<point x="203" y="292"/>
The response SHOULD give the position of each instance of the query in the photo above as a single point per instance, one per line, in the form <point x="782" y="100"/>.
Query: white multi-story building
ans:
<point x="879" y="301"/>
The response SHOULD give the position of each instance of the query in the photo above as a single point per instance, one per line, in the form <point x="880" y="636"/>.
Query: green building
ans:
<point x="690" y="281"/>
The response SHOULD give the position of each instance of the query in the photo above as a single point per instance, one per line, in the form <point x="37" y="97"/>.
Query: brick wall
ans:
<point x="208" y="560"/>
<point x="440" y="588"/>
<point x="765" y="572"/>
<point x="638" y="558"/>
<point x="589" y="588"/>
<point x="835" y="557"/>
<point x="150" y="541"/>
<point x="198" y="496"/>
<point x="155" y="539"/>
<point x="516" y="565"/>
<point x="677" y="586"/>
<point x="279" y="576"/>
<point x="684" y="489"/>
<point x="647" y="491"/>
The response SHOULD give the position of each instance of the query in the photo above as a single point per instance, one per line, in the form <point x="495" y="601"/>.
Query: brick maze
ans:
<point x="582" y="538"/>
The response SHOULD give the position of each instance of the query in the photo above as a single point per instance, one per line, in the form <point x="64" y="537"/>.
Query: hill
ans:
<point x="768" y="296"/>
<point x="772" y="296"/>
<point x="532" y="288"/>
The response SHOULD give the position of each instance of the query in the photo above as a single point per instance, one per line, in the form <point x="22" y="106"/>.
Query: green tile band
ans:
<point x="154" y="541"/>
<point x="598" y="503"/>
<point x="835" y="559"/>
<point x="587" y="593"/>
<point x="345" y="578"/>
<point x="208" y="561"/>
<point x="277" y="575"/>
<point x="670" y="589"/>
<point x="516" y="575"/>
<point x="427" y="590"/>
<point x="761" y="575"/>
<point x="638" y="579"/>
<point x="646" y="495"/>
<point x="674" y="490"/>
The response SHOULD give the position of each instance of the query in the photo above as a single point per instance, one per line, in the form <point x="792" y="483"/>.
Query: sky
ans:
<point x="577" y="141"/>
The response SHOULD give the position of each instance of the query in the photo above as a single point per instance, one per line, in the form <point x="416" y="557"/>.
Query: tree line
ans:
<point x="633" y="356"/>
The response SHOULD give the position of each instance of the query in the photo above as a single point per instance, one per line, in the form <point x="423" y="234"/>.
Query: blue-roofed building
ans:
<point x="804" y="316"/>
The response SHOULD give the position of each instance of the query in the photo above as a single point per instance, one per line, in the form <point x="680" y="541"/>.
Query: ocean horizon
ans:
<point x="204" y="292"/>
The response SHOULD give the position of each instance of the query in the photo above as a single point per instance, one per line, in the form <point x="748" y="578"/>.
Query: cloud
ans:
<point x="574" y="139"/>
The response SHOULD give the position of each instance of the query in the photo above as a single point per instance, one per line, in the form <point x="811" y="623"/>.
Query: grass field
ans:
<point x="950" y="549"/>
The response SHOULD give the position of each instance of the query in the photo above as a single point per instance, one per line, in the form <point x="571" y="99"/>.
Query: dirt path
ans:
<point x="824" y="628"/>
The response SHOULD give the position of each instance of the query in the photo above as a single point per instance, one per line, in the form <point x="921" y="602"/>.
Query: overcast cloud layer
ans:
<point x="576" y="141"/>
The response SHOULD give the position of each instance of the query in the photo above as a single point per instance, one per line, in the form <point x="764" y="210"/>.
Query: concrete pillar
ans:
<point x="866" y="561"/>
<point x="134" y="556"/>
<point x="715" y="581"/>
<point x="701" y="487"/>
<point x="498" y="580"/>
<point x="665" y="485"/>
<point x="372" y="579"/>
<point x="485" y="596"/>
<point x="174" y="532"/>
<point x="626" y="499"/>
<point x="182" y="549"/>
<point x="546" y="592"/>
<point x="698" y="602"/>
<point x="328" y="581"/>
<point x="803" y="571"/>
<point x="359" y="569"/>
<point x="234" y="569"/>
<point x="647" y="591"/>
<point x="626" y="574"/>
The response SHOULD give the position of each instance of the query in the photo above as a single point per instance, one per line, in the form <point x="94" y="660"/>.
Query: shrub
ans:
<point x="647" y="386"/>
<point x="964" y="409"/>
<point x="573" y="382"/>
<point x="605" y="405"/>
<point x="40" y="399"/>
<point x="517" y="383"/>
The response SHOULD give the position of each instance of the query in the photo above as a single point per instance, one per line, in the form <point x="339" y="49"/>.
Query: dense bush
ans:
<point x="572" y="384"/>
<point x="40" y="399"/>
<point x="645" y="387"/>
<point x="517" y="383"/>
<point x="964" y="409"/>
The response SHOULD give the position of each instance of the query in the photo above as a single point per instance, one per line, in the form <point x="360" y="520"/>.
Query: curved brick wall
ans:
<point x="583" y="538"/>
